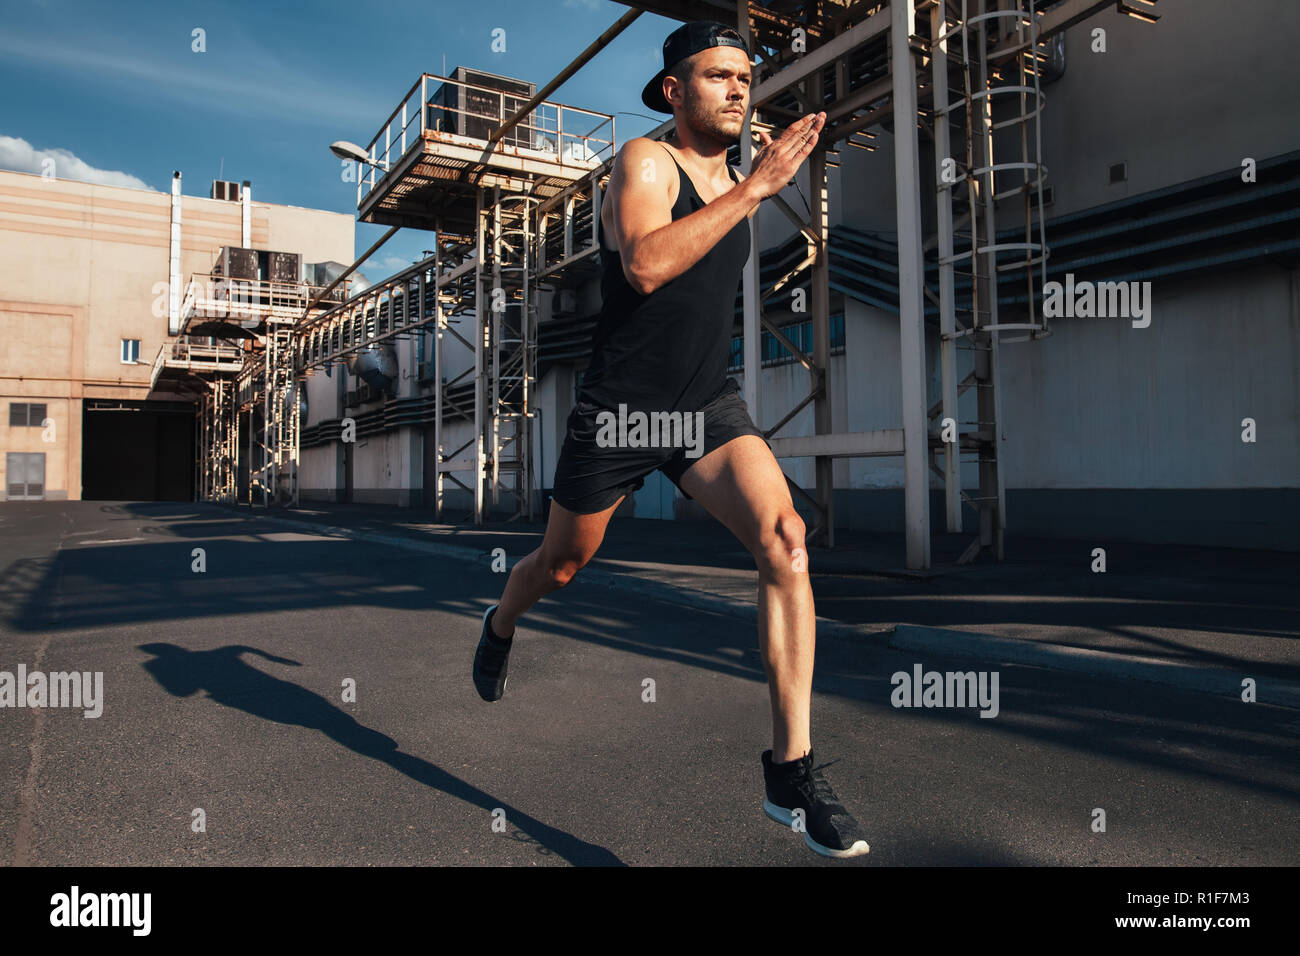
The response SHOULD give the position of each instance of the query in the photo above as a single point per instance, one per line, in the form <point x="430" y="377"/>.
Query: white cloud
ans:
<point x="585" y="4"/>
<point x="20" y="156"/>
<point x="393" y="263"/>
<point x="388" y="265"/>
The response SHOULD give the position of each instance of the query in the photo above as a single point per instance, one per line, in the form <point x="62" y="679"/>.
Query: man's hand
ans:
<point x="778" y="160"/>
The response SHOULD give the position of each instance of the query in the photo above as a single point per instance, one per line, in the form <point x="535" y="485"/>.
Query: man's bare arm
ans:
<point x="655" y="249"/>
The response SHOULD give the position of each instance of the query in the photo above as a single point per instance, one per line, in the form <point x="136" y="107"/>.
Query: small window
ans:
<point x="130" y="351"/>
<point x="1118" y="173"/>
<point x="26" y="414"/>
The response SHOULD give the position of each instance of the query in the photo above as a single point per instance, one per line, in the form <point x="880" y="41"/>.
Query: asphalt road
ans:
<point x="224" y="691"/>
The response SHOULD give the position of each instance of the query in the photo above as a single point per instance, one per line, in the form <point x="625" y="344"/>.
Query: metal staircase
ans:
<point x="277" y="478"/>
<point x="440" y="163"/>
<point x="509" y="376"/>
<point x="218" y="428"/>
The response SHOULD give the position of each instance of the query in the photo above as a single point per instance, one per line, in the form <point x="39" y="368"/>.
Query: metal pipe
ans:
<point x="618" y="26"/>
<point x="947" y="292"/>
<point x="916" y="473"/>
<point x="1194" y="210"/>
<point x="352" y="268"/>
<point x="1195" y="265"/>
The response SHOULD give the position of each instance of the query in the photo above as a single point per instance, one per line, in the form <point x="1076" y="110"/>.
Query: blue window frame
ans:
<point x="774" y="353"/>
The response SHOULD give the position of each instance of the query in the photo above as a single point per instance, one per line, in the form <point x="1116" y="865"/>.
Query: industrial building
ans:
<point x="90" y="320"/>
<point x="1063" y="301"/>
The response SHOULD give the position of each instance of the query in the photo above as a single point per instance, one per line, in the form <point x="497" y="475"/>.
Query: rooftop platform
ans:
<point x="178" y="363"/>
<point x="431" y="157"/>
<point x="233" y="308"/>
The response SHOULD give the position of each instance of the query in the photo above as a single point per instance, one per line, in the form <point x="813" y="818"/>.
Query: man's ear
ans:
<point x="677" y="87"/>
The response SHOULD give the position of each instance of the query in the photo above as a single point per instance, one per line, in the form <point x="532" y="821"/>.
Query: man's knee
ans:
<point x="782" y="552"/>
<point x="561" y="569"/>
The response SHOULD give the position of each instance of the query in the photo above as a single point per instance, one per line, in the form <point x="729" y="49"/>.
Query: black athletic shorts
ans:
<point x="589" y="478"/>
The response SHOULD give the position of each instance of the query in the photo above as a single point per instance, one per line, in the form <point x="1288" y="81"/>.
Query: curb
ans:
<point x="903" y="637"/>
<point x="614" y="580"/>
<point x="1092" y="663"/>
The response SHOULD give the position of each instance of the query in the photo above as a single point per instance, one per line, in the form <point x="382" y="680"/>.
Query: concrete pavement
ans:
<point x="224" y="692"/>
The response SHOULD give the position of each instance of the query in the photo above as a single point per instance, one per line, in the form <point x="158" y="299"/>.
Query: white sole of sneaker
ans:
<point x="779" y="814"/>
<point x="786" y="818"/>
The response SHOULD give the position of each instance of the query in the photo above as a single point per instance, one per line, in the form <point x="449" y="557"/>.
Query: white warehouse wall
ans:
<point x="1107" y="428"/>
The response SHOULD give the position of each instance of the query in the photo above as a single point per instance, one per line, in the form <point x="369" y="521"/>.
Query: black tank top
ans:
<point x="669" y="350"/>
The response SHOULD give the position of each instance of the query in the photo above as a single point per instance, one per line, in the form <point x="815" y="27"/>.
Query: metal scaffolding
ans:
<point x="514" y="215"/>
<point x="217" y="435"/>
<point x="507" y="362"/>
<point x="234" y="356"/>
<point x="269" y="402"/>
<point x="864" y="63"/>
<point x="967" y="197"/>
<point x="482" y="197"/>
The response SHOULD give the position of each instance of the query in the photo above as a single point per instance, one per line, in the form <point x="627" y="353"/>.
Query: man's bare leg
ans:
<point x="787" y="638"/>
<point x="742" y="486"/>
<point x="570" y="542"/>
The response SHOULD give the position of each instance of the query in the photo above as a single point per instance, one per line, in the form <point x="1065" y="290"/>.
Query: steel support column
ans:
<point x="819" y="281"/>
<point x="911" y="312"/>
<point x="947" y="312"/>
<point x="751" y="344"/>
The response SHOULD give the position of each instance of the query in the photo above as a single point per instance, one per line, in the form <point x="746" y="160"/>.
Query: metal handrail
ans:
<point x="381" y="159"/>
<point x="158" y="363"/>
<point x="219" y="296"/>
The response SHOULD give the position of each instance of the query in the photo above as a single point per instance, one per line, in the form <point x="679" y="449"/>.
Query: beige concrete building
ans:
<point x="86" y="277"/>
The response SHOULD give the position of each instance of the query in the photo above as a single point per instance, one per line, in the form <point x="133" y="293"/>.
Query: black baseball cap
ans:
<point x="687" y="40"/>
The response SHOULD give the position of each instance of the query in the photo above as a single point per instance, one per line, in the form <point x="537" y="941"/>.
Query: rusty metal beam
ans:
<point x="352" y="268"/>
<point x="1052" y="22"/>
<point x="602" y="41"/>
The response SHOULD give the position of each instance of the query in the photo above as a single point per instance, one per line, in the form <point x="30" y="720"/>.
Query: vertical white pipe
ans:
<point x="174" y="260"/>
<point x="947" y="292"/>
<point x="911" y="316"/>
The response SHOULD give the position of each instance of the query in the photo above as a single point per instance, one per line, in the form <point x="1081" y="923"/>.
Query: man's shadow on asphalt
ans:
<point x="233" y="683"/>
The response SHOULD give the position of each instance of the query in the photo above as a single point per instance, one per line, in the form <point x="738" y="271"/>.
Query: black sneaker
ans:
<point x="490" y="661"/>
<point x="829" y="829"/>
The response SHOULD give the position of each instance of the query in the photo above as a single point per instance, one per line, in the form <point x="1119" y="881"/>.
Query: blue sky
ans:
<point x="116" y="93"/>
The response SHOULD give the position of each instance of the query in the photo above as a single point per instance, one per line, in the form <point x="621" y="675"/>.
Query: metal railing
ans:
<point x="194" y="357"/>
<point x="572" y="134"/>
<point x="224" y="297"/>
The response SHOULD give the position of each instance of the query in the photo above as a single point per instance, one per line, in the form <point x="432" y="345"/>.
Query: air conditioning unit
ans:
<point x="222" y="189"/>
<point x="285" y="267"/>
<point x="478" y="108"/>
<point x="235" y="262"/>
<point x="366" y="393"/>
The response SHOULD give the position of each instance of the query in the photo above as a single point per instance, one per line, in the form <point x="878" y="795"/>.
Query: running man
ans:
<point x="674" y="236"/>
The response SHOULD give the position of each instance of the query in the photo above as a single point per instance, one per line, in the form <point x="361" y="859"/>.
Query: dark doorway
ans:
<point x="137" y="451"/>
